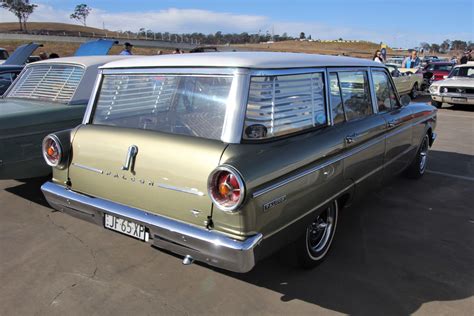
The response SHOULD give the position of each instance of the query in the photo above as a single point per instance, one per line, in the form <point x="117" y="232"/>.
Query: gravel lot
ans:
<point x="408" y="248"/>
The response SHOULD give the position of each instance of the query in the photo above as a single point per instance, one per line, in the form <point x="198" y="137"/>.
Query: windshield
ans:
<point x="462" y="72"/>
<point x="193" y="105"/>
<point x="444" y="67"/>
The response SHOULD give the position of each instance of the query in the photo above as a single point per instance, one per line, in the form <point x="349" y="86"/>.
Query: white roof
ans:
<point x="85" y="61"/>
<point x="468" y="64"/>
<point x="254" y="60"/>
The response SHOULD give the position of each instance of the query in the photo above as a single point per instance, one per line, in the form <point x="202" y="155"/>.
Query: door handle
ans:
<point x="132" y="152"/>
<point x="351" y="138"/>
<point x="392" y="123"/>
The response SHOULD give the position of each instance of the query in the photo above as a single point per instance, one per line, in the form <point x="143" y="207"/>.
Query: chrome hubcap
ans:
<point x="320" y="230"/>
<point x="423" y="154"/>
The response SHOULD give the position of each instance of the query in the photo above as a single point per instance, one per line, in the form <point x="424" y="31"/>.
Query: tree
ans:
<point x="81" y="12"/>
<point x="426" y="47"/>
<point x="302" y="35"/>
<point x="435" y="48"/>
<point x="445" y="45"/>
<point x="22" y="9"/>
<point x="458" y="45"/>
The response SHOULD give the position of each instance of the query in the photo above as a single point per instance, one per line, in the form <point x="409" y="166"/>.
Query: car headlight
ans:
<point x="434" y="89"/>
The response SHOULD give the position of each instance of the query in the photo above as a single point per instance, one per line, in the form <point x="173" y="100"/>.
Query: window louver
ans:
<point x="279" y="105"/>
<point x="122" y="94"/>
<point x="48" y="82"/>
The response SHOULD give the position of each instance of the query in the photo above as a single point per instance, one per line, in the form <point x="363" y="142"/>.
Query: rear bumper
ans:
<point x="458" y="98"/>
<point x="211" y="247"/>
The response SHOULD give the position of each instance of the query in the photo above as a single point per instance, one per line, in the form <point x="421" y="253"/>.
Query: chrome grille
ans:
<point x="48" y="82"/>
<point x="284" y="104"/>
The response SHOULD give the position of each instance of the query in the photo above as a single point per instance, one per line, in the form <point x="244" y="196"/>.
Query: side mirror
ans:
<point x="405" y="100"/>
<point x="394" y="73"/>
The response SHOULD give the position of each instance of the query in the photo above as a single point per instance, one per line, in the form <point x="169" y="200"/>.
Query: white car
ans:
<point x="458" y="88"/>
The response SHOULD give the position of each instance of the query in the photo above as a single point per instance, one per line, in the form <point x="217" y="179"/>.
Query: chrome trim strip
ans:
<point x="333" y="160"/>
<point x="208" y="246"/>
<point x="92" y="99"/>
<point x="334" y="196"/>
<point x="183" y="70"/>
<point x="88" y="168"/>
<point x="282" y="72"/>
<point x="232" y="129"/>
<point x="183" y="190"/>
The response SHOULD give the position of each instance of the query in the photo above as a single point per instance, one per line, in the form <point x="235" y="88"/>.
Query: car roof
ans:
<point x="468" y="64"/>
<point x="254" y="60"/>
<point x="86" y="61"/>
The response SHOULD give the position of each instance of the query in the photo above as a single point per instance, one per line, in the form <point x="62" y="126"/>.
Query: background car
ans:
<point x="47" y="96"/>
<point x="406" y="83"/>
<point x="3" y="55"/>
<point x="435" y="71"/>
<point x="458" y="88"/>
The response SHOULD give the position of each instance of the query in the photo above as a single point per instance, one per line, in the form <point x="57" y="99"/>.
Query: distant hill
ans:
<point x="55" y="28"/>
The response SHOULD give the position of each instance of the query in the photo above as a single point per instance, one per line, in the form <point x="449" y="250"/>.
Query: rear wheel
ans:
<point x="414" y="91"/>
<point x="437" y="104"/>
<point x="313" y="245"/>
<point x="418" y="166"/>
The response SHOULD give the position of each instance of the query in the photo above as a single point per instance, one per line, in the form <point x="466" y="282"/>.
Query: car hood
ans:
<point x="21" y="54"/>
<point x="457" y="82"/>
<point x="95" y="48"/>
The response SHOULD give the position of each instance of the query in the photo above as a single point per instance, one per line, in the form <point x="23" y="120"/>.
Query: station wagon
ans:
<point x="224" y="158"/>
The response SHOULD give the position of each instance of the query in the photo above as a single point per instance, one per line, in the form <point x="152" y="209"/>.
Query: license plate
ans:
<point x="459" y="99"/>
<point x="126" y="227"/>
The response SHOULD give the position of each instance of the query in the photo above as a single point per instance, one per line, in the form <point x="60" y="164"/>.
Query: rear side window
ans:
<point x="281" y="105"/>
<point x="176" y="104"/>
<point x="353" y="88"/>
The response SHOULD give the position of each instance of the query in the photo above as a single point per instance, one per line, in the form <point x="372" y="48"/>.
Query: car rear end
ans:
<point x="146" y="162"/>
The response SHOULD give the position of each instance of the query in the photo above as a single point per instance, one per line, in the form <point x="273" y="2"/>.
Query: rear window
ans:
<point x="48" y="82"/>
<point x="192" y="105"/>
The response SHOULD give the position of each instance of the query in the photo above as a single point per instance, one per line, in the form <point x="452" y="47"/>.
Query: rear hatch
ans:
<point x="168" y="175"/>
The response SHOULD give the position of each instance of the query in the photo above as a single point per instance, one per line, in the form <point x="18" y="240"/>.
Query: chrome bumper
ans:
<point x="211" y="247"/>
<point x="448" y="98"/>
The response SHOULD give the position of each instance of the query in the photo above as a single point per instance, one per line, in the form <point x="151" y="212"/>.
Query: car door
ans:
<point x="362" y="129"/>
<point x="398" y="143"/>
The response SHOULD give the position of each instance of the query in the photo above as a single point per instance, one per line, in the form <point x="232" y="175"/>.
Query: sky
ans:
<point x="399" y="23"/>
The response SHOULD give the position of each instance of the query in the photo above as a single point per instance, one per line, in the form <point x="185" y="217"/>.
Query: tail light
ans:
<point x="52" y="151"/>
<point x="226" y="188"/>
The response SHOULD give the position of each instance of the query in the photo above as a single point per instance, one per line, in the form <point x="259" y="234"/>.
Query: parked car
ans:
<point x="406" y="83"/>
<point x="47" y="96"/>
<point x="226" y="157"/>
<point x="397" y="61"/>
<point x="22" y="55"/>
<point x="435" y="71"/>
<point x="458" y="88"/>
<point x="3" y="55"/>
<point x="14" y="64"/>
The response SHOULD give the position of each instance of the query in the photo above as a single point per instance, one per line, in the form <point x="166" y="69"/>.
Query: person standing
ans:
<point x="127" y="49"/>
<point x="412" y="61"/>
<point x="378" y="57"/>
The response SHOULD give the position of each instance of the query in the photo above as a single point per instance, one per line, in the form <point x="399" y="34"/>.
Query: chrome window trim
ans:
<point x="183" y="70"/>
<point x="233" y="126"/>
<point x="329" y="117"/>
<point x="373" y="94"/>
<point x="93" y="98"/>
<point x="283" y="72"/>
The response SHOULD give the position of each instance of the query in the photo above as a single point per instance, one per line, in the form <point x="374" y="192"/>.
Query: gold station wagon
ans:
<point x="224" y="158"/>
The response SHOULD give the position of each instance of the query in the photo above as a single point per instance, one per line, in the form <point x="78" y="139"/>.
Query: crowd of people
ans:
<point x="413" y="61"/>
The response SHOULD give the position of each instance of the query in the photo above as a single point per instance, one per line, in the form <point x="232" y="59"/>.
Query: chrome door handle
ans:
<point x="391" y="123"/>
<point x="132" y="152"/>
<point x="351" y="138"/>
